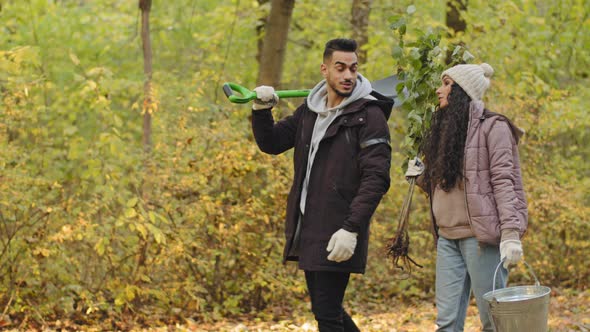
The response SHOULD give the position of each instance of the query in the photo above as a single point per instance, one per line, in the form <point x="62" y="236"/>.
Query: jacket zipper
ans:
<point x="346" y="134"/>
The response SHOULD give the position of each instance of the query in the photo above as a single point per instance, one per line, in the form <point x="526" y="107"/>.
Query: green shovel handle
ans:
<point x="247" y="95"/>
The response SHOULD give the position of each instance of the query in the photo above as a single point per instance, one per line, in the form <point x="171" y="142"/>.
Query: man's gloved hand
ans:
<point x="341" y="245"/>
<point x="415" y="167"/>
<point x="510" y="252"/>
<point x="265" y="98"/>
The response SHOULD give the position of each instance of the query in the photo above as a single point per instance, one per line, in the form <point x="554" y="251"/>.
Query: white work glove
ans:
<point x="415" y="167"/>
<point x="341" y="245"/>
<point x="265" y="98"/>
<point x="510" y="252"/>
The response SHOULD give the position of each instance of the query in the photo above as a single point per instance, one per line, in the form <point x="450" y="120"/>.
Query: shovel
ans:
<point x="246" y="95"/>
<point x="241" y="95"/>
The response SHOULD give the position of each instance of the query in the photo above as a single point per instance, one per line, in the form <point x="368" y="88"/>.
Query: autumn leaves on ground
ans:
<point x="568" y="312"/>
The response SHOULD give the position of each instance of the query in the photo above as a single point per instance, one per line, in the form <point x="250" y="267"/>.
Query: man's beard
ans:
<point x="343" y="94"/>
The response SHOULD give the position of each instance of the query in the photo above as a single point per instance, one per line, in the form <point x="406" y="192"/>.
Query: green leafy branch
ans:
<point x="420" y="63"/>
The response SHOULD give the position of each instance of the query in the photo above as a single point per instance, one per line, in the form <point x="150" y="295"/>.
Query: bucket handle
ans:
<point x="527" y="264"/>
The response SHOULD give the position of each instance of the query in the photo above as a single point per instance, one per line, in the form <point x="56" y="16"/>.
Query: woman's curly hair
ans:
<point x="444" y="143"/>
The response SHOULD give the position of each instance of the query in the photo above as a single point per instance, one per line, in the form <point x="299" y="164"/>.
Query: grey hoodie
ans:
<point x="316" y="101"/>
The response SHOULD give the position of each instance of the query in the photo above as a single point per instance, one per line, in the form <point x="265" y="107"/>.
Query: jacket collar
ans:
<point x="478" y="111"/>
<point x="476" y="108"/>
<point x="384" y="103"/>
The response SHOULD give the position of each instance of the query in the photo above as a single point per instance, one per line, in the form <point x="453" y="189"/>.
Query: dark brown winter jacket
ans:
<point x="349" y="176"/>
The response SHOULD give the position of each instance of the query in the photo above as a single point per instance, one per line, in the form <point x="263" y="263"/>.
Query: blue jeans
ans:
<point x="461" y="266"/>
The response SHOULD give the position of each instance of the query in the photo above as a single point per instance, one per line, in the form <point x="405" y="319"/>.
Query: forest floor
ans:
<point x="568" y="312"/>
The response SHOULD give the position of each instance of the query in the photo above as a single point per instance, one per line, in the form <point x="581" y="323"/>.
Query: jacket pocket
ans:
<point x="342" y="193"/>
<point x="349" y="128"/>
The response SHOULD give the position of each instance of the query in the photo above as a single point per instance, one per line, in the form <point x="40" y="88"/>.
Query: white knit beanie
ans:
<point x="474" y="79"/>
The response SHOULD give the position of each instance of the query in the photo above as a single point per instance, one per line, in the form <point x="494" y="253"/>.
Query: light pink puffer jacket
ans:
<point x="493" y="186"/>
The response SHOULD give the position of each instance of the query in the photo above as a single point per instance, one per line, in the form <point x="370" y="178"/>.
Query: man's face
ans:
<point x="340" y="72"/>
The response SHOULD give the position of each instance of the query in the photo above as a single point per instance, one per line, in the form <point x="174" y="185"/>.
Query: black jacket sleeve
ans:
<point x="374" y="163"/>
<point x="271" y="137"/>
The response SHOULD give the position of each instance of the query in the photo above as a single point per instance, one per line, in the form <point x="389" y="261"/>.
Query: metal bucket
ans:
<point x="519" y="308"/>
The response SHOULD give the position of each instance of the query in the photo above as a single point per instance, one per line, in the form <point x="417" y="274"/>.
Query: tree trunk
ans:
<point x="148" y="102"/>
<point x="360" y="11"/>
<point x="260" y="28"/>
<point x="275" y="43"/>
<point x="149" y="106"/>
<point x="454" y="21"/>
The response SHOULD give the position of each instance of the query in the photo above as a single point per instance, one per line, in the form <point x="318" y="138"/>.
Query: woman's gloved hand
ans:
<point x="415" y="167"/>
<point x="510" y="252"/>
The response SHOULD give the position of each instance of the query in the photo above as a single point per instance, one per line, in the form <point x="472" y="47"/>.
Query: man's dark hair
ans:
<point x="339" y="44"/>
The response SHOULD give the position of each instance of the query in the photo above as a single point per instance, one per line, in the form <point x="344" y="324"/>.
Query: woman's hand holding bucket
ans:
<point x="510" y="252"/>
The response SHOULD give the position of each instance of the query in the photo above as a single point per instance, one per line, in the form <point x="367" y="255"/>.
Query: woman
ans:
<point x="471" y="172"/>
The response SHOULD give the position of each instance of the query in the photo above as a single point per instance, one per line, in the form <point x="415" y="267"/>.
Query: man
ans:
<point x="341" y="170"/>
